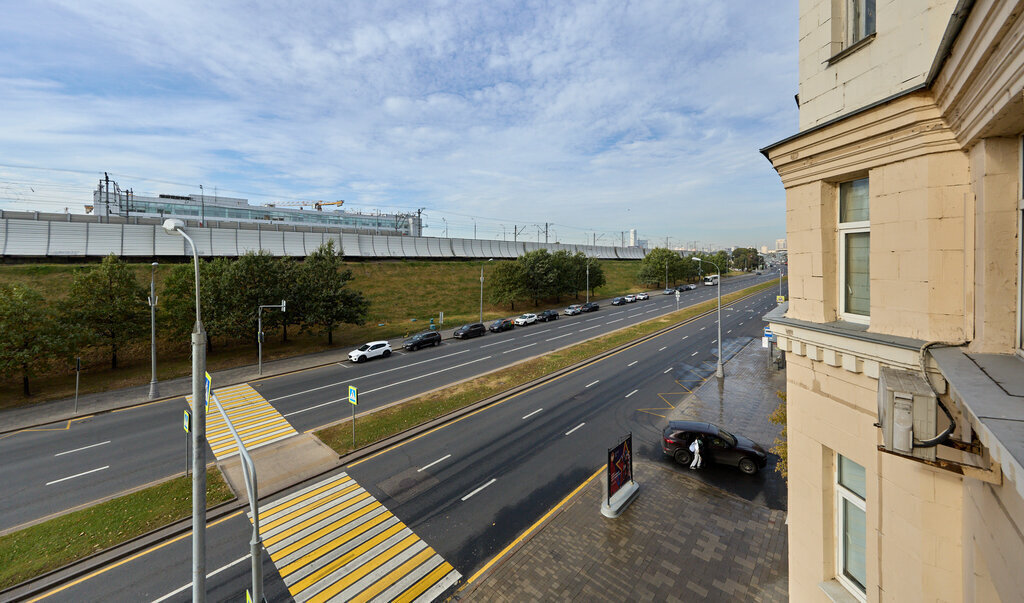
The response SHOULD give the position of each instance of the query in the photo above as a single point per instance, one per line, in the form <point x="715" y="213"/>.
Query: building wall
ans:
<point x="898" y="58"/>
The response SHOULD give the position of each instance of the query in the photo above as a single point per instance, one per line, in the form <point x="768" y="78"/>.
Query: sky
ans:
<point x="593" y="117"/>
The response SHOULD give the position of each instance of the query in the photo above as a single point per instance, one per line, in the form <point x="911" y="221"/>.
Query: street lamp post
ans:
<point x="259" y="330"/>
<point x="154" y="391"/>
<point x="719" y="371"/>
<point x="588" y="279"/>
<point x="482" y="290"/>
<point x="175" y="226"/>
<point x="666" y="274"/>
<point x="780" y="282"/>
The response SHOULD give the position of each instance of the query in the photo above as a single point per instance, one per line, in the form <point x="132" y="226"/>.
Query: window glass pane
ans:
<point x="851" y="475"/>
<point x="858" y="288"/>
<point x="854" y="537"/>
<point x="853" y="201"/>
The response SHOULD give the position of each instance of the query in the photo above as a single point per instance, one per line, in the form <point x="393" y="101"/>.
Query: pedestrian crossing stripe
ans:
<point x="333" y="541"/>
<point x="256" y="421"/>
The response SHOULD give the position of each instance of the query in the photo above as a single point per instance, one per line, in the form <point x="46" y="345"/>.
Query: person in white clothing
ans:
<point x="695" y="449"/>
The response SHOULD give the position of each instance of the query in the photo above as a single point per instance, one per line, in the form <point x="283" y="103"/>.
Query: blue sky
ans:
<point x="596" y="117"/>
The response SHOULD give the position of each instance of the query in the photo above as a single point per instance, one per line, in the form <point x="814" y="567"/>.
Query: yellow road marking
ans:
<point x="367" y="567"/>
<point x="337" y="542"/>
<point x="327" y="529"/>
<point x="426" y="582"/>
<point x="328" y="511"/>
<point x="381" y="585"/>
<point x="345" y="559"/>
<point x="533" y="527"/>
<point x="280" y="507"/>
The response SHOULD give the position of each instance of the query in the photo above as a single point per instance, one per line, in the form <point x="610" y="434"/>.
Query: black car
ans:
<point x="619" y="301"/>
<point x="422" y="340"/>
<point x="718" y="446"/>
<point x="547" y="315"/>
<point x="502" y="324"/>
<point x="589" y="307"/>
<point x="472" y="330"/>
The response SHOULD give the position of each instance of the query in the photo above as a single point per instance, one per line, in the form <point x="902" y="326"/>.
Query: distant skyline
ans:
<point x="595" y="117"/>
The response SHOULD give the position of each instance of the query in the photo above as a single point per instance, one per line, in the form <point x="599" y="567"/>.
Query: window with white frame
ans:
<point x="860" y="20"/>
<point x="854" y="248"/>
<point x="851" y="526"/>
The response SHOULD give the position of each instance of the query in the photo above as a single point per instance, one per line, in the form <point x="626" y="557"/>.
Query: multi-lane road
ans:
<point x="454" y="497"/>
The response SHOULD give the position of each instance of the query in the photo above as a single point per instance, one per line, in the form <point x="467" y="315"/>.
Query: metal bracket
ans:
<point x="993" y="474"/>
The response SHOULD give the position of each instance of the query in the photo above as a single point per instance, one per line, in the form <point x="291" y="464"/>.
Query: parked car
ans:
<point x="686" y="287"/>
<point x="475" y="329"/>
<point x="589" y="307"/>
<point x="668" y="291"/>
<point x="526" y="319"/>
<point x="369" y="350"/>
<point x="573" y="310"/>
<point x="642" y="296"/>
<point x="619" y="301"/>
<point x="547" y="315"/>
<point x="630" y="298"/>
<point x="718" y="446"/>
<point x="502" y="324"/>
<point x="422" y="340"/>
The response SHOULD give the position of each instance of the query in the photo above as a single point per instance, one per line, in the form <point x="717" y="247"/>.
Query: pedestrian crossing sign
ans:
<point x="780" y="299"/>
<point x="353" y="395"/>
<point x="187" y="422"/>
<point x="209" y="386"/>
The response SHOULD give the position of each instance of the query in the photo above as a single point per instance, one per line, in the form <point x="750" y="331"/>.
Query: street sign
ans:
<point x="353" y="395"/>
<point x="209" y="386"/>
<point x="188" y="422"/>
<point x="677" y="296"/>
<point x="768" y="334"/>
<point x="780" y="299"/>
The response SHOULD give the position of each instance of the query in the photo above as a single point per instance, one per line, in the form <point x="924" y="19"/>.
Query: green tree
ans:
<point x="30" y="339"/>
<point x="178" y="306"/>
<point x="507" y="283"/>
<point x="563" y="267"/>
<point x="658" y="263"/>
<point x="323" y="294"/>
<point x="596" y="274"/>
<point x="537" y="274"/>
<point x="780" y="446"/>
<point x="108" y="304"/>
<point x="745" y="258"/>
<point x="257" y="279"/>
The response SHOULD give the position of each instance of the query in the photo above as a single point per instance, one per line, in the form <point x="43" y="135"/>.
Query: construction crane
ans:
<point x="317" y="205"/>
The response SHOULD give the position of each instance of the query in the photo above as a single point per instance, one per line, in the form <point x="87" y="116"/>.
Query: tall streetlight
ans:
<point x="666" y="274"/>
<point x="719" y="371"/>
<point x="175" y="226"/>
<point x="202" y="201"/>
<point x="259" y="330"/>
<point x="780" y="282"/>
<point x="482" y="290"/>
<point x="588" y="279"/>
<point x="153" y="389"/>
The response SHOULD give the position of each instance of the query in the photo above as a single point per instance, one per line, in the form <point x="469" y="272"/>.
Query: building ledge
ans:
<point x="836" y="592"/>
<point x="842" y="328"/>
<point x="989" y="389"/>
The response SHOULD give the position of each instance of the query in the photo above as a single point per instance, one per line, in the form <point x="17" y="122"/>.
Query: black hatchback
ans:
<point x="547" y="315"/>
<point x="718" y="446"/>
<point x="619" y="301"/>
<point x="422" y="340"/>
<point x="589" y="307"/>
<point x="472" y="330"/>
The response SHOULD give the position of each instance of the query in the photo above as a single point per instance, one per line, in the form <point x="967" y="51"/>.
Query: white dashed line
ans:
<point x="666" y="371"/>
<point x="594" y="383"/>
<point x="575" y="428"/>
<point x="533" y="413"/>
<point x="77" y="475"/>
<point x="464" y="498"/>
<point x="497" y="343"/>
<point x="558" y="337"/>
<point x="613" y="321"/>
<point x="82" y="448"/>
<point x="662" y="349"/>
<point x="693" y="354"/>
<point x="685" y="336"/>
<point x="632" y="363"/>
<point x="729" y="331"/>
<point x="447" y="456"/>
<point x="588" y="328"/>
<point x="519" y="348"/>
<point x="632" y="392"/>
<point x="536" y="333"/>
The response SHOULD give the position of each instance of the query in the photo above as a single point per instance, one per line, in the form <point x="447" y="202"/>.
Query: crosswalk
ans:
<point x="256" y="421"/>
<point x="333" y="541"/>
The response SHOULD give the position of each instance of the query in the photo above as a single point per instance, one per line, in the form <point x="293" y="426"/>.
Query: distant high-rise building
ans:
<point x="764" y="249"/>
<point x="780" y="244"/>
<point x="633" y="241"/>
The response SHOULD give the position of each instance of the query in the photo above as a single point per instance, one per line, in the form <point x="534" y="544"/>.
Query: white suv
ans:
<point x="370" y="350"/>
<point x="526" y="319"/>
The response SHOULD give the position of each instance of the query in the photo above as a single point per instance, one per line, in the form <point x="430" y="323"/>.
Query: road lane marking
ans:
<point x="76" y="475"/>
<point x="649" y="311"/>
<point x="588" y="328"/>
<point x="522" y="347"/>
<point x="685" y="336"/>
<point x="256" y="421"/>
<point x="564" y="326"/>
<point x="82" y="448"/>
<point x="464" y="498"/>
<point x="558" y="337"/>
<point x="632" y="363"/>
<point x="714" y="341"/>
<point x="632" y="392"/>
<point x="447" y="456"/>
<point x="342" y="365"/>
<point x="533" y="413"/>
<point x="536" y="333"/>
<point x="619" y="312"/>
<point x="702" y="328"/>
<point x="575" y="428"/>
<point x="662" y="349"/>
<point x="210" y="575"/>
<point x="422" y="376"/>
<point x="594" y="383"/>
<point x="497" y="343"/>
<point x="741" y="324"/>
<point x="613" y="321"/>
<point x="346" y="382"/>
<point x="666" y="371"/>
<point x="729" y="331"/>
<point x="590" y="319"/>
<point x="693" y="354"/>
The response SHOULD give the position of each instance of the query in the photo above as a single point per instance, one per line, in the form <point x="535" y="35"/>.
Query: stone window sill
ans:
<point x="837" y="593"/>
<point x="842" y="54"/>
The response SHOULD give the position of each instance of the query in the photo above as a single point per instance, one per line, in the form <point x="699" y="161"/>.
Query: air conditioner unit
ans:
<point x="907" y="410"/>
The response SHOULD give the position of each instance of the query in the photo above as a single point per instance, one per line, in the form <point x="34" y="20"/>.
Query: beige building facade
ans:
<point x="903" y="329"/>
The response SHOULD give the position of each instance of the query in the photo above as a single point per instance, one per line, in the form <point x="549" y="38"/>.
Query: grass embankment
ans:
<point x="404" y="296"/>
<point x="56" y="542"/>
<point x="421" y="409"/>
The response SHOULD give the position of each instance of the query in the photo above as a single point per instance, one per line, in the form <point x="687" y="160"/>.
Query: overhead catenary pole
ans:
<point x="153" y="388"/>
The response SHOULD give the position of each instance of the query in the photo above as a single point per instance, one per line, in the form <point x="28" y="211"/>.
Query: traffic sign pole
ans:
<point x="353" y="399"/>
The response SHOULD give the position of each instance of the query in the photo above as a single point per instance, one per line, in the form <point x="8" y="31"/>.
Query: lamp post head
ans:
<point x="695" y="259"/>
<point x="173" y="225"/>
<point x="283" y="303"/>
<point x="155" y="264"/>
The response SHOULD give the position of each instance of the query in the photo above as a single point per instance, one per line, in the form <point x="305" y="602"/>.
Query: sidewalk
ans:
<point x="682" y="538"/>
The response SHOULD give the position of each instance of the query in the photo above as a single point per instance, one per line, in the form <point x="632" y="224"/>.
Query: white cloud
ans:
<point x="594" y="115"/>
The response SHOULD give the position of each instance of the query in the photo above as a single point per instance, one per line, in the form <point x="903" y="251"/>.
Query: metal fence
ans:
<point x="39" y="235"/>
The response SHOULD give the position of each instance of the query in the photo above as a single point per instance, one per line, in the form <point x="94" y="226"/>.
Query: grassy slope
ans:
<point x="399" y="291"/>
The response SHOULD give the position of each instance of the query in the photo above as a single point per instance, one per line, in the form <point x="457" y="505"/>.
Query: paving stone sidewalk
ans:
<point x="683" y="538"/>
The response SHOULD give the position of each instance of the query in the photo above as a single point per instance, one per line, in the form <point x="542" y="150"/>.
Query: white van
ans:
<point x="710" y="280"/>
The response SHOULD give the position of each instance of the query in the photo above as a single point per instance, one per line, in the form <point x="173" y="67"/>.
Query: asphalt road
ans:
<point x="61" y="466"/>
<point x="469" y="488"/>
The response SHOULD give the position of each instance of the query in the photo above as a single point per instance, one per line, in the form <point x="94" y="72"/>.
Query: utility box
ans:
<point x="907" y="411"/>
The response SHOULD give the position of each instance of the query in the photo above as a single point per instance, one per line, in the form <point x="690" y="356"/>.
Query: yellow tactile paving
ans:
<point x="256" y="421"/>
<point x="332" y="541"/>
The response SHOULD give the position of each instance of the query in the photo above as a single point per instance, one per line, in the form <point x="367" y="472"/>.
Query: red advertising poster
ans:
<point x="620" y="465"/>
